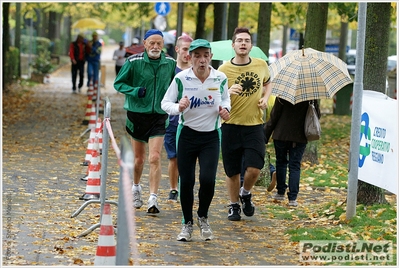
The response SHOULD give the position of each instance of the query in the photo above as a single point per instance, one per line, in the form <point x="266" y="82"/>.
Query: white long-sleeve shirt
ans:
<point x="205" y="98"/>
<point x="119" y="56"/>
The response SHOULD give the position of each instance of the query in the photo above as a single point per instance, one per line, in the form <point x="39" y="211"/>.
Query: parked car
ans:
<point x="392" y="62"/>
<point x="351" y="62"/>
<point x="273" y="56"/>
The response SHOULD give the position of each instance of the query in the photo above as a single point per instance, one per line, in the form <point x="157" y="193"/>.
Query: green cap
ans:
<point x="199" y="43"/>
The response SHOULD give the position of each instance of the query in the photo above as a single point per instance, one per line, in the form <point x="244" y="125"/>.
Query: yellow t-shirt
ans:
<point x="270" y="104"/>
<point x="251" y="76"/>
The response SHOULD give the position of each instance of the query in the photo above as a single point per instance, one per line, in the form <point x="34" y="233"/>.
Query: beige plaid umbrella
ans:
<point x="308" y="74"/>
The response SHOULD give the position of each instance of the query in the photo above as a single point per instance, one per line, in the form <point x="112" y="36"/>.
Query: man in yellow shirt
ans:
<point x="243" y="134"/>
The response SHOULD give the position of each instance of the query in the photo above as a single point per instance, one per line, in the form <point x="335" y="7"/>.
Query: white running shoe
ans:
<point x="153" y="205"/>
<point x="137" y="201"/>
<point x="186" y="232"/>
<point x="205" y="229"/>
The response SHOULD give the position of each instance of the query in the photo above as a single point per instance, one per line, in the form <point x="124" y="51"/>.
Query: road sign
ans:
<point x="294" y="35"/>
<point x="162" y="8"/>
<point x="331" y="48"/>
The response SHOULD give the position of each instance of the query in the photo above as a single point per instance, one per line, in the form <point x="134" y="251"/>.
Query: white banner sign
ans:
<point x="378" y="158"/>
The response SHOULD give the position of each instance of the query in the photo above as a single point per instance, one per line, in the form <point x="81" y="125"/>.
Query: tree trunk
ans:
<point x="264" y="21"/>
<point x="52" y="26"/>
<point x="316" y="26"/>
<point x="201" y="18"/>
<point x="285" y="40"/>
<point x="18" y="34"/>
<point x="219" y="26"/>
<point x="6" y="38"/>
<point x="374" y="76"/>
<point x="343" y="40"/>
<point x="232" y="19"/>
<point x="315" y="37"/>
<point x="219" y="23"/>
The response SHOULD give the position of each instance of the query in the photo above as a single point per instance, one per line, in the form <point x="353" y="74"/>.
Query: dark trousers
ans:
<point x="78" y="67"/>
<point x="117" y="69"/>
<point x="288" y="154"/>
<point x="204" y="146"/>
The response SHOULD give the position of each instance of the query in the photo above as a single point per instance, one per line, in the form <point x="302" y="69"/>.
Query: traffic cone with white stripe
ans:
<point x="93" y="180"/>
<point x="89" y="111"/>
<point x="89" y="150"/>
<point x="90" y="90"/>
<point x="95" y="91"/>
<point x="106" y="248"/>
<point x="98" y="132"/>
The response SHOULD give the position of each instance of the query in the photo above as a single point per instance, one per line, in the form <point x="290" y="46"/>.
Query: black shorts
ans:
<point x="239" y="141"/>
<point x="142" y="127"/>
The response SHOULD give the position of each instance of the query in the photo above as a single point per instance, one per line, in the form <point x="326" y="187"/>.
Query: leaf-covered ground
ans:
<point x="42" y="152"/>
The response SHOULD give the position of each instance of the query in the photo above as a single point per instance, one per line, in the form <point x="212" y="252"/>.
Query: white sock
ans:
<point x="136" y="187"/>
<point x="152" y="196"/>
<point x="244" y="192"/>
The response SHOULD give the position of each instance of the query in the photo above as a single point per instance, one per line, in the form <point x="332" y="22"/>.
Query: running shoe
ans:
<point x="173" y="195"/>
<point x="234" y="212"/>
<point x="279" y="197"/>
<point x="205" y="229"/>
<point x="186" y="232"/>
<point x="153" y="205"/>
<point x="137" y="201"/>
<point x="273" y="182"/>
<point x="247" y="206"/>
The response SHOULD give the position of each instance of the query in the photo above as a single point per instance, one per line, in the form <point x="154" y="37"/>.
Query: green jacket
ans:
<point x="138" y="72"/>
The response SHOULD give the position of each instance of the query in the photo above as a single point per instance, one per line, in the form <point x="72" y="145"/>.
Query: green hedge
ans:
<point x="38" y="44"/>
<point x="11" y="64"/>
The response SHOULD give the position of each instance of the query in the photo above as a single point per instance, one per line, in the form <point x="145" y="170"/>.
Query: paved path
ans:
<point x="42" y="152"/>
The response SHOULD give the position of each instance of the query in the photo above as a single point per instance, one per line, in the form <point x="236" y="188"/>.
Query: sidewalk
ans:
<point x="42" y="152"/>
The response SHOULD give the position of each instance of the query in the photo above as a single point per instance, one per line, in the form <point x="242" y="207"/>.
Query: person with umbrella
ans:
<point x="297" y="78"/>
<point x="242" y="134"/>
<point x="286" y="126"/>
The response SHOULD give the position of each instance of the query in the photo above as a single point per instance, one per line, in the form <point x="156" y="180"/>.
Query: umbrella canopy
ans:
<point x="134" y="49"/>
<point x="88" y="23"/>
<point x="222" y="50"/>
<point x="168" y="38"/>
<point x="308" y="74"/>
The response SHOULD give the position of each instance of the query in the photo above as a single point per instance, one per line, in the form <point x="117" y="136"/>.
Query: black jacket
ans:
<point x="287" y="121"/>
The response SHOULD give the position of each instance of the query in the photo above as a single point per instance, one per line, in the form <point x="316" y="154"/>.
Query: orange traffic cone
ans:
<point x="89" y="111"/>
<point x="93" y="179"/>
<point x="92" y="120"/>
<point x="95" y="91"/>
<point x="106" y="248"/>
<point x="89" y="150"/>
<point x="90" y="90"/>
<point x="98" y="131"/>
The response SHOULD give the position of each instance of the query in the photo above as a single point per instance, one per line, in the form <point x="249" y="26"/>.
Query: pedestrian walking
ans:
<point x="119" y="57"/>
<point x="144" y="79"/>
<point x="286" y="127"/>
<point x="182" y="62"/>
<point x="203" y="101"/>
<point x="93" y="56"/>
<point x="243" y="134"/>
<point x="77" y="54"/>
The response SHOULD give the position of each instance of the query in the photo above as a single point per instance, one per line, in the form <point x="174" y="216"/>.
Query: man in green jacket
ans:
<point x="144" y="79"/>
